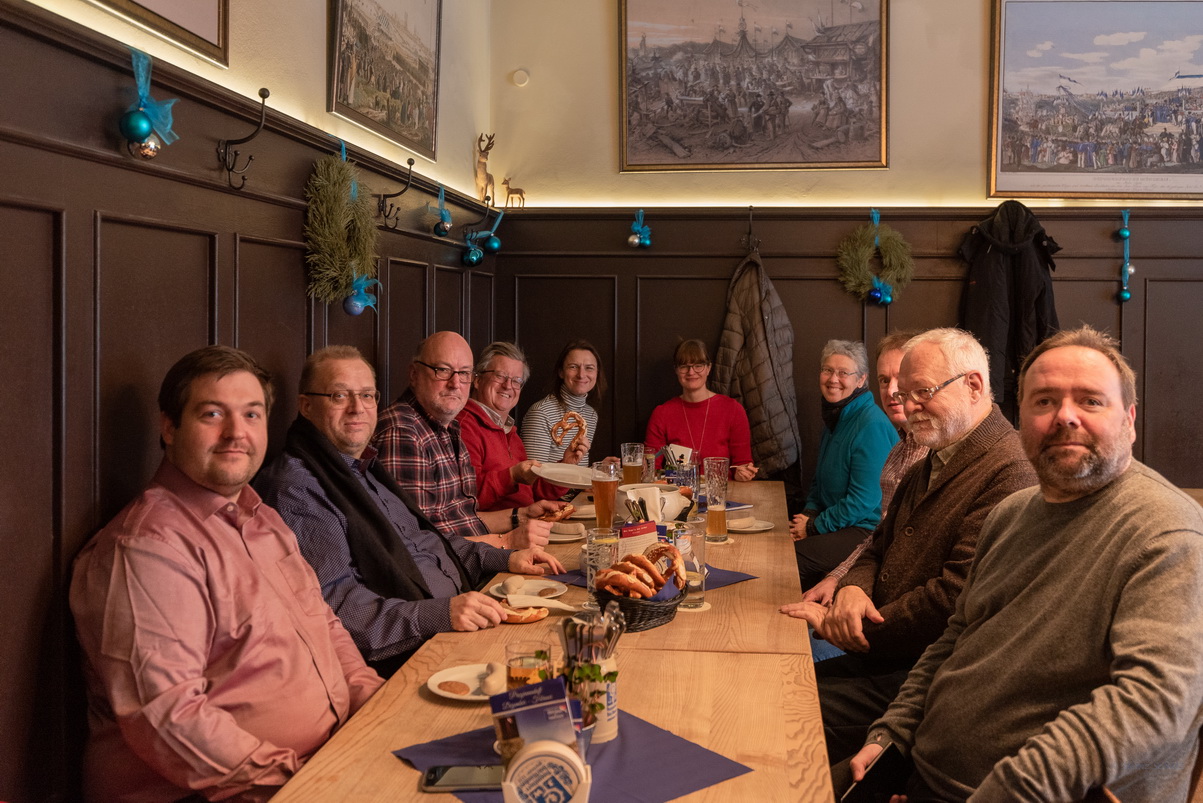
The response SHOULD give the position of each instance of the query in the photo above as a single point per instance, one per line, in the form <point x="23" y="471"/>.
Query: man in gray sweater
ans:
<point x="1074" y="658"/>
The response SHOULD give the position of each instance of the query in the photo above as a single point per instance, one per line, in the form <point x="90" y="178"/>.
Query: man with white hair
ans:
<point x="897" y="597"/>
<point x="1074" y="658"/>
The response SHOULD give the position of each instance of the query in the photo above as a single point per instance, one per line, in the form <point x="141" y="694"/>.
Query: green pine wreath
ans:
<point x="340" y="231"/>
<point x="857" y="250"/>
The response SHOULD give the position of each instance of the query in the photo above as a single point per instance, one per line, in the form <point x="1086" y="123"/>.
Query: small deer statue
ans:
<point x="484" y="179"/>
<point x="513" y="192"/>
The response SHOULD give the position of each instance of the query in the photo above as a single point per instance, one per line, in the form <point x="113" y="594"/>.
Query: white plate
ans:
<point x="564" y="538"/>
<point x="566" y="474"/>
<point x="639" y="486"/>
<point x="759" y="527"/>
<point x="583" y="512"/>
<point x="470" y="674"/>
<point x="532" y="587"/>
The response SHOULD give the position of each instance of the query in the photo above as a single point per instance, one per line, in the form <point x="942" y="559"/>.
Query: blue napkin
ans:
<point x="632" y="767"/>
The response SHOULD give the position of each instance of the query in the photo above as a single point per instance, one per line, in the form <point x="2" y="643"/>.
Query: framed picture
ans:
<point x="384" y="68"/>
<point x="201" y="26"/>
<point x="742" y="85"/>
<point x="1097" y="99"/>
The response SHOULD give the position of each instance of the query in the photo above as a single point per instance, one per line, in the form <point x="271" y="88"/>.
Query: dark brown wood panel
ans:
<point x="449" y="290"/>
<point x="1171" y="380"/>
<point x="274" y="320"/>
<point x="30" y="270"/>
<point x="155" y="291"/>
<point x="481" y="303"/>
<point x="408" y="325"/>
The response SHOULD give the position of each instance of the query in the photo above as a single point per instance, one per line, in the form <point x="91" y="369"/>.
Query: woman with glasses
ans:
<point x="578" y="378"/>
<point x="844" y="503"/>
<point x="504" y="475"/>
<point x="708" y="423"/>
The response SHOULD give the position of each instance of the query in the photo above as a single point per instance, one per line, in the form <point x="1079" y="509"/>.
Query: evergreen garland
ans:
<point x="340" y="231"/>
<point x="857" y="250"/>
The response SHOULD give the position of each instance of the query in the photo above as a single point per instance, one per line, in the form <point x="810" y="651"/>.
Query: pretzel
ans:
<point x="523" y="616"/>
<point x="558" y="515"/>
<point x="559" y="430"/>
<point x="621" y="584"/>
<point x="646" y="568"/>
<point x="676" y="565"/>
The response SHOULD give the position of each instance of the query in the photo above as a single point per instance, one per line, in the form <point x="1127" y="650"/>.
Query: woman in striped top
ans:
<point x="579" y="378"/>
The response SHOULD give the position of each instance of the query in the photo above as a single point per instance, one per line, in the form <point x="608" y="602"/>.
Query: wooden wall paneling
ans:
<point x="1171" y="380"/>
<point x="31" y="319"/>
<point x="273" y="319"/>
<point x="545" y="321"/>
<point x="361" y="331"/>
<point x="669" y="309"/>
<point x="404" y="295"/>
<point x="155" y="301"/>
<point x="450" y="300"/>
<point x="481" y="301"/>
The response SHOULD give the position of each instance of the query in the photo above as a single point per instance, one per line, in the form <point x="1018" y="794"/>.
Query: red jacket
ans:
<point x="493" y="451"/>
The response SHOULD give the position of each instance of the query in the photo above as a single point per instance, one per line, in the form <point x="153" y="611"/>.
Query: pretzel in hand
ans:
<point x="559" y="430"/>
<point x="558" y="515"/>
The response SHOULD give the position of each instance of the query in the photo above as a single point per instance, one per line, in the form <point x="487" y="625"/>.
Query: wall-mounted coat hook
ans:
<point x="229" y="158"/>
<point x="750" y="241"/>
<point x="391" y="214"/>
<point x="470" y="228"/>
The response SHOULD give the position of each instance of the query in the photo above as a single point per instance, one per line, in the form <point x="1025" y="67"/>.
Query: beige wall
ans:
<point x="558" y="136"/>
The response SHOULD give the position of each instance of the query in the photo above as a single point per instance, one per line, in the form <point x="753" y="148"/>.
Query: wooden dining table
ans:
<point x="737" y="679"/>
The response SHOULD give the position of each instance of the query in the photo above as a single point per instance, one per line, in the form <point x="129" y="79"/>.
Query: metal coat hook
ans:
<point x="229" y="159"/>
<point x="392" y="214"/>
<point x="750" y="241"/>
<point x="471" y="228"/>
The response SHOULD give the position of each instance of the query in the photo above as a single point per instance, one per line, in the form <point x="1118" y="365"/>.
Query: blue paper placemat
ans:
<point x="630" y="768"/>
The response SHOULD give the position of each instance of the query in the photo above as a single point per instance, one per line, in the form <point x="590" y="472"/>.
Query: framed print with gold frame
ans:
<point x="201" y="26"/>
<point x="1096" y="99"/>
<point x="737" y="85"/>
<point x="384" y="68"/>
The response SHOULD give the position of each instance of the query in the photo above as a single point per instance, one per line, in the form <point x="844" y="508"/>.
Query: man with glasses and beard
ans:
<point x="1074" y="659"/>
<point x="419" y="443"/>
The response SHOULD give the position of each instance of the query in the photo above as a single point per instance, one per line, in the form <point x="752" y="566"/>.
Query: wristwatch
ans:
<point x="514" y="519"/>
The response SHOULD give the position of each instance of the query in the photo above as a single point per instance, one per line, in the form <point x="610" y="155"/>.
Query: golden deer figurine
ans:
<point x="484" y="179"/>
<point x="513" y="192"/>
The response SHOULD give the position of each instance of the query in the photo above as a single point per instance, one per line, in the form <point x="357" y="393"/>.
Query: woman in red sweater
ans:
<point x="710" y="424"/>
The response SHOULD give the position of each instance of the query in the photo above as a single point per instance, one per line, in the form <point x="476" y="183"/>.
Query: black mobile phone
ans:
<point x="884" y="777"/>
<point x="463" y="778"/>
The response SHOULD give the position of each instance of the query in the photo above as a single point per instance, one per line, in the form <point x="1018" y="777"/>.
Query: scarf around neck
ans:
<point x="832" y="410"/>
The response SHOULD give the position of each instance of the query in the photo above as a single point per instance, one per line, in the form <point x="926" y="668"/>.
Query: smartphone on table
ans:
<point x="463" y="778"/>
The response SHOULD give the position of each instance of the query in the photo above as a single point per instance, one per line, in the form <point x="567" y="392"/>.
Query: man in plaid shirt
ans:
<point x="419" y="444"/>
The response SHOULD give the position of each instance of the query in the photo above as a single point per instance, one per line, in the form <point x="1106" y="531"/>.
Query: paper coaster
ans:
<point x="728" y="542"/>
<point x="705" y="607"/>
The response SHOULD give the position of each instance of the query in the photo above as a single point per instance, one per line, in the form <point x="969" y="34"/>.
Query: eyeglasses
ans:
<point x="922" y="395"/>
<point x="340" y="398"/>
<point x="443" y="373"/>
<point x="826" y="371"/>
<point x="692" y="367"/>
<point x="503" y="379"/>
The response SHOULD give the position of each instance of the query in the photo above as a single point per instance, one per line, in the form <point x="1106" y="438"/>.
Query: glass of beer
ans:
<point x="716" y="498"/>
<point x="632" y="463"/>
<point x="526" y="662"/>
<point x="605" y="489"/>
<point x="601" y="551"/>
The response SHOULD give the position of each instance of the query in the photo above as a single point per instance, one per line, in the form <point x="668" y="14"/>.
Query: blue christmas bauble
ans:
<point x="645" y="241"/>
<point x="633" y="241"/>
<point x="1124" y="295"/>
<point x="492" y="244"/>
<point x="473" y="256"/>
<point x="135" y="125"/>
<point x="442" y="228"/>
<point x="1123" y="233"/>
<point x="875" y="294"/>
<point x="353" y="305"/>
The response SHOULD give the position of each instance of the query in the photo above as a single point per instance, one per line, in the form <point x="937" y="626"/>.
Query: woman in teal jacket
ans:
<point x="844" y="504"/>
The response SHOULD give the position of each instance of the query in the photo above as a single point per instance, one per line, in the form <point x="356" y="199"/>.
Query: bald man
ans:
<point x="419" y="444"/>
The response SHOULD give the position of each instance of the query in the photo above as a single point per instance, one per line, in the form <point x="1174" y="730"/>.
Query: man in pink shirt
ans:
<point x="212" y="663"/>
